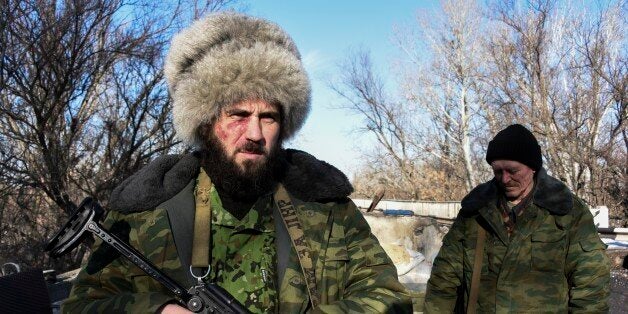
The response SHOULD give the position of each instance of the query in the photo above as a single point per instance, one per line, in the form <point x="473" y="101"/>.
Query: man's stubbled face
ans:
<point x="515" y="179"/>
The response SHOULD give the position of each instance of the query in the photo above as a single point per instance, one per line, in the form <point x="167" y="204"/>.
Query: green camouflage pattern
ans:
<point x="550" y="264"/>
<point x="353" y="272"/>
<point x="121" y="286"/>
<point x="296" y="233"/>
<point x="243" y="254"/>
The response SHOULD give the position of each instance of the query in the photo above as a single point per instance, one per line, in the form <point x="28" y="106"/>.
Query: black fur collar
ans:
<point x="306" y="178"/>
<point x="549" y="193"/>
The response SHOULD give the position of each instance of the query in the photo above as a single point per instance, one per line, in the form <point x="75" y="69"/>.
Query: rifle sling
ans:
<point x="283" y="245"/>
<point x="477" y="271"/>
<point x="295" y="229"/>
<point x="202" y="221"/>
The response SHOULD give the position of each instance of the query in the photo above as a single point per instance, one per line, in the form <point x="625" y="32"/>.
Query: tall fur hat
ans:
<point x="225" y="58"/>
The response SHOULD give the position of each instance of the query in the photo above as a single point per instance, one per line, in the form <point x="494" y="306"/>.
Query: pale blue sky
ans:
<point x="325" y="31"/>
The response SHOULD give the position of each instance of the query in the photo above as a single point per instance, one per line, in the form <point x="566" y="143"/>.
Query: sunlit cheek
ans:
<point x="271" y="134"/>
<point x="235" y="130"/>
<point x="221" y="134"/>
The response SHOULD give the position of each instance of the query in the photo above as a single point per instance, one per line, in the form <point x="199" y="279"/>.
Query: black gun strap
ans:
<point x="180" y="211"/>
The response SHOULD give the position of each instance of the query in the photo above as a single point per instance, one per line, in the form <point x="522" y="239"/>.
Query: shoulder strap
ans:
<point x="180" y="211"/>
<point x="282" y="243"/>
<point x="202" y="221"/>
<point x="477" y="271"/>
<point x="295" y="230"/>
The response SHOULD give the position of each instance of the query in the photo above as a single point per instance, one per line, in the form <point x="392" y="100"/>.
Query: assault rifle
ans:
<point x="201" y="298"/>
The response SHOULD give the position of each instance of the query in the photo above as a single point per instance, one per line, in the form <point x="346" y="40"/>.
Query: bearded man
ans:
<point x="522" y="242"/>
<point x="273" y="227"/>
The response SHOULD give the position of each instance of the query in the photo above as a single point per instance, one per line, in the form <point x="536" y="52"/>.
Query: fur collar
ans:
<point x="306" y="178"/>
<point x="549" y="193"/>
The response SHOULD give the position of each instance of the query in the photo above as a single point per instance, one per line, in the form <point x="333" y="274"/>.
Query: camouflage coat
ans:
<point x="353" y="273"/>
<point x="554" y="262"/>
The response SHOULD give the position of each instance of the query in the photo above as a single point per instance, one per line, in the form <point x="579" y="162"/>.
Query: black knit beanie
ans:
<point x="515" y="143"/>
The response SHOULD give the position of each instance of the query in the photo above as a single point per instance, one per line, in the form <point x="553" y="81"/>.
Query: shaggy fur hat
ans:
<point x="225" y="58"/>
<point x="515" y="143"/>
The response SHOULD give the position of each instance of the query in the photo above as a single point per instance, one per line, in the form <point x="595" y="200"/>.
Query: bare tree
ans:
<point x="431" y="130"/>
<point x="444" y="81"/>
<point x="385" y="118"/>
<point x="563" y="73"/>
<point x="603" y="46"/>
<point x="559" y="69"/>
<point x="83" y="104"/>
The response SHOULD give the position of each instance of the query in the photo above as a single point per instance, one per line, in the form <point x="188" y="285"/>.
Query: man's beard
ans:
<point x="246" y="181"/>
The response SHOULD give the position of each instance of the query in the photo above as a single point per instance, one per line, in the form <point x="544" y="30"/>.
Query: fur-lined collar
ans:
<point x="306" y="178"/>
<point x="549" y="193"/>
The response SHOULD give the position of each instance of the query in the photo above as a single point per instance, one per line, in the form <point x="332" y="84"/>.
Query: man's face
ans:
<point x="515" y="178"/>
<point x="248" y="132"/>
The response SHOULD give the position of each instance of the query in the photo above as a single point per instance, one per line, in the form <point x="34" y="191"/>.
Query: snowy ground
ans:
<point x="614" y="244"/>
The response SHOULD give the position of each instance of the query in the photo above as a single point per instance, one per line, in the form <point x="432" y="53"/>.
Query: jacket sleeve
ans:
<point x="587" y="266"/>
<point x="446" y="275"/>
<point x="370" y="284"/>
<point x="112" y="288"/>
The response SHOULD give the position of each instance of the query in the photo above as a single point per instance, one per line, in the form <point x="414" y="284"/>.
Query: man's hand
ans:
<point x="174" y="309"/>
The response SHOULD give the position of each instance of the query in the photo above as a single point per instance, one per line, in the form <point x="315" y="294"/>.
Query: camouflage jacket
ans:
<point x="353" y="273"/>
<point x="554" y="262"/>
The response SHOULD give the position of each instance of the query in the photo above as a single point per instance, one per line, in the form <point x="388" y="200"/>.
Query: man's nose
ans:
<point x="505" y="178"/>
<point x="254" y="130"/>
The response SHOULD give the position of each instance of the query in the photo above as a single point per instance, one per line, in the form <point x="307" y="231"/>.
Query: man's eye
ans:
<point x="238" y="115"/>
<point x="268" y="118"/>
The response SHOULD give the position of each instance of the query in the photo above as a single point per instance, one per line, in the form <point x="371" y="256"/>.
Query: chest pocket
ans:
<point x="335" y="267"/>
<point x="548" y="250"/>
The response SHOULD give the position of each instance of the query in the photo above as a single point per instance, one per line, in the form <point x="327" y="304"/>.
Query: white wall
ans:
<point x="449" y="210"/>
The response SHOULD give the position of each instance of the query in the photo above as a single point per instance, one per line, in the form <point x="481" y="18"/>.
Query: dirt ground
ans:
<point x="619" y="280"/>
